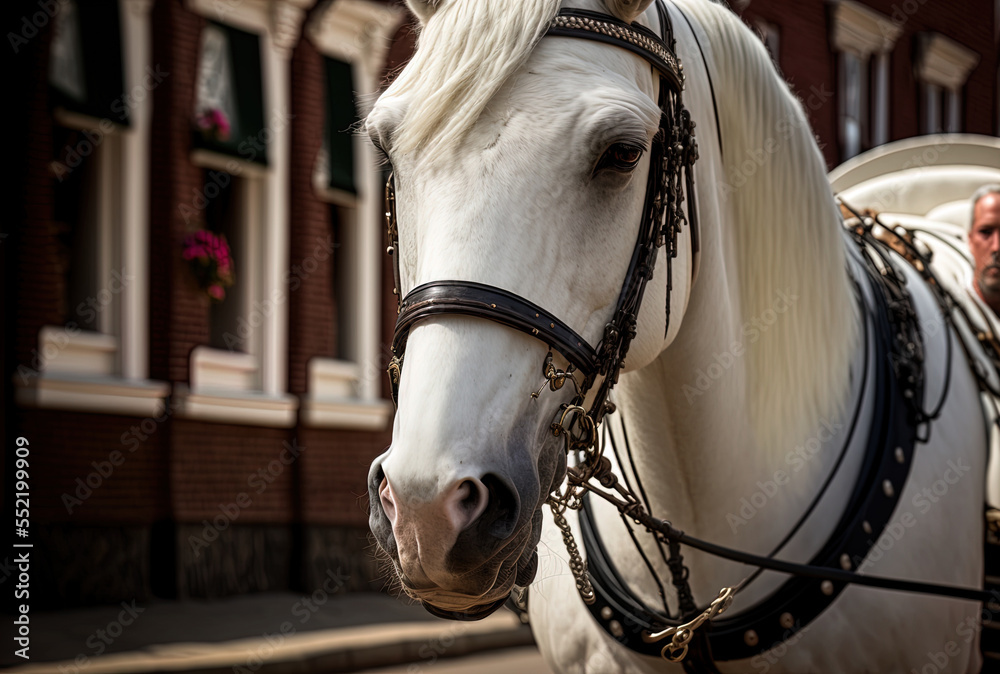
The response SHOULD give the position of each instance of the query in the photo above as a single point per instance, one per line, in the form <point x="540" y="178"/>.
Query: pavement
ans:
<point x="268" y="633"/>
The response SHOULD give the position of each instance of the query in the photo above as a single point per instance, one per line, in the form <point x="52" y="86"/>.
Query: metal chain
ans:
<point x="576" y="563"/>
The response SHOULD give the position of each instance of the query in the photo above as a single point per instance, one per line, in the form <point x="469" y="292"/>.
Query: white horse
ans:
<point x="513" y="157"/>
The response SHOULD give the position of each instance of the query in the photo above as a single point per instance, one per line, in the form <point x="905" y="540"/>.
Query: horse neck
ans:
<point x="763" y="355"/>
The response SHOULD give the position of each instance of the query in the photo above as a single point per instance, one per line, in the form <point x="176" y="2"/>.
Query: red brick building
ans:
<point x="184" y="446"/>
<point x="875" y="71"/>
<point x="187" y="447"/>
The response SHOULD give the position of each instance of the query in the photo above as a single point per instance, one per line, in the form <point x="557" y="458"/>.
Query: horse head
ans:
<point x="520" y="162"/>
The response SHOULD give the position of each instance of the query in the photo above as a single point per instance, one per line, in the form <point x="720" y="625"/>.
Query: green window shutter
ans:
<point x="341" y="116"/>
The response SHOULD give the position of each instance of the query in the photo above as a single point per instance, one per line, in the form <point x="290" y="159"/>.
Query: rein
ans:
<point x="673" y="154"/>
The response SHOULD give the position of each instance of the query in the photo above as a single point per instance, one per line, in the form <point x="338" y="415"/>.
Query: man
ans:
<point x="984" y="243"/>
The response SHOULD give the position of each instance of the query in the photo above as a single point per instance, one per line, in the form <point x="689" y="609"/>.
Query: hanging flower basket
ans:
<point x="213" y="125"/>
<point x="211" y="261"/>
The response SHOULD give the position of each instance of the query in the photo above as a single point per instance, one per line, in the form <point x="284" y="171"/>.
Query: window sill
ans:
<point x="244" y="408"/>
<point x="346" y="413"/>
<point x="333" y="400"/>
<point x="215" y="369"/>
<point x="101" y="395"/>
<point x="230" y="164"/>
<point x="77" y="353"/>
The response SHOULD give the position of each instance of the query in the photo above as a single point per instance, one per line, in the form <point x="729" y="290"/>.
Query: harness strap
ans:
<point x="816" y="585"/>
<point x="495" y="304"/>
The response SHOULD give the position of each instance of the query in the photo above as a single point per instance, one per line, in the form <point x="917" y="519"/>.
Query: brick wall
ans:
<point x="212" y="464"/>
<point x="968" y="23"/>
<point x="334" y="468"/>
<point x="312" y="302"/>
<point x="96" y="468"/>
<point x="806" y="60"/>
<point x="178" y="310"/>
<point x="40" y="285"/>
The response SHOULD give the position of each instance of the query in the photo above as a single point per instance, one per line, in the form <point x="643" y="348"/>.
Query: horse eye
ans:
<point x="622" y="157"/>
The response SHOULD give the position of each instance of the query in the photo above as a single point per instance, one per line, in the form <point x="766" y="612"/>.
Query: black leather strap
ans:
<point x="888" y="457"/>
<point x="494" y="304"/>
<point x="637" y="39"/>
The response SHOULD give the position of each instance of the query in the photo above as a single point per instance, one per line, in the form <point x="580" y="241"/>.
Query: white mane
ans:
<point x="788" y="238"/>
<point x="465" y="53"/>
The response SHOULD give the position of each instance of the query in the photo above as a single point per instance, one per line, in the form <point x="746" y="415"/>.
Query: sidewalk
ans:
<point x="271" y="633"/>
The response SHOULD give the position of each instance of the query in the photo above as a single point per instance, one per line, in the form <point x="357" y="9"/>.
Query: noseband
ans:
<point x="672" y="157"/>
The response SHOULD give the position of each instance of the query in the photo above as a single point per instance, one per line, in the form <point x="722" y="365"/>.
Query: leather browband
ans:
<point x="581" y="23"/>
<point x="498" y="305"/>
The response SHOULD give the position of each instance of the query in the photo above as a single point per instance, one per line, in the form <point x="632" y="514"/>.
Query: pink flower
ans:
<point x="214" y="121"/>
<point x="216" y="292"/>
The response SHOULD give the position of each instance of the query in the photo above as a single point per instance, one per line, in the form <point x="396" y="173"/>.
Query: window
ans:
<point x="96" y="360"/>
<point x="229" y="101"/>
<point x="943" y="66"/>
<point x="341" y="118"/>
<point x="344" y="388"/>
<point x="78" y="223"/>
<point x="85" y="65"/>
<point x="225" y="215"/>
<point x="863" y="40"/>
<point x="241" y="132"/>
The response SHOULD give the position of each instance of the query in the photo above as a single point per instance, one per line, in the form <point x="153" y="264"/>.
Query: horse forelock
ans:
<point x="465" y="53"/>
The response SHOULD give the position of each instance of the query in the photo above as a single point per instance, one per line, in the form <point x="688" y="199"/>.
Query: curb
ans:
<point x="334" y="650"/>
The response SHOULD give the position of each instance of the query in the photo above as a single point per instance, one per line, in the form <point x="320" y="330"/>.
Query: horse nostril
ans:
<point x="386" y="499"/>
<point x="500" y="516"/>
<point x="472" y="495"/>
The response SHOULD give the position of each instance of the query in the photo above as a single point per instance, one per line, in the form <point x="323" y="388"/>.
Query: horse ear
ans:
<point x="423" y="8"/>
<point x="628" y="10"/>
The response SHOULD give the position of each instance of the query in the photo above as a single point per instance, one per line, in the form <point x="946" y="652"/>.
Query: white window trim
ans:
<point x="856" y="28"/>
<point x="943" y="64"/>
<point x="347" y="394"/>
<point x="869" y="36"/>
<point x="106" y="372"/>
<point x="262" y="398"/>
<point x="880" y="99"/>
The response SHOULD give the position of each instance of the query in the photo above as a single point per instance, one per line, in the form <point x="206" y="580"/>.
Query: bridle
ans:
<point x="673" y="153"/>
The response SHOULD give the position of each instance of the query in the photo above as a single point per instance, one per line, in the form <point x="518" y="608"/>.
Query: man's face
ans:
<point x="984" y="242"/>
